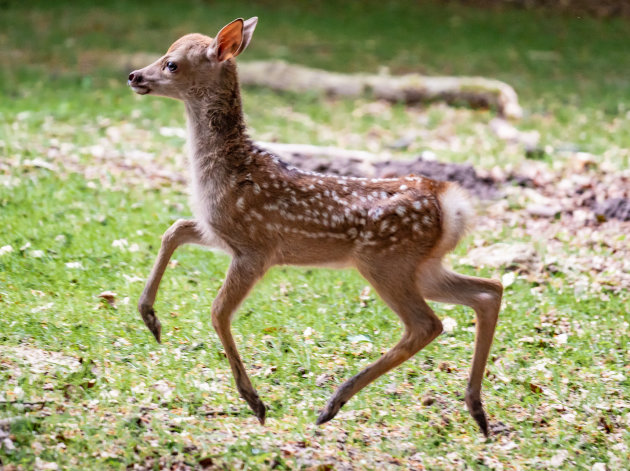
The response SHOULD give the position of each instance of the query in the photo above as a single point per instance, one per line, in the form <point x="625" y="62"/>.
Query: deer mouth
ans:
<point x="140" y="89"/>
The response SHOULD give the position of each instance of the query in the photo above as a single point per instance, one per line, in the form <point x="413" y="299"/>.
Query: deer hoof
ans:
<point x="151" y="321"/>
<point x="329" y="412"/>
<point x="260" y="410"/>
<point x="475" y="408"/>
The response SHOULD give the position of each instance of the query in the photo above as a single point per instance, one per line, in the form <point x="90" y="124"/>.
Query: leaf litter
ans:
<point x="564" y="204"/>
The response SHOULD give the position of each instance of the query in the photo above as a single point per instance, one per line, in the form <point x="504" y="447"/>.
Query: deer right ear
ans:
<point x="227" y="43"/>
<point x="248" y="30"/>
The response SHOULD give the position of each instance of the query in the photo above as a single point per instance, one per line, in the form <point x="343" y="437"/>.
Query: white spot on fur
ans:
<point x="377" y="214"/>
<point x="240" y="203"/>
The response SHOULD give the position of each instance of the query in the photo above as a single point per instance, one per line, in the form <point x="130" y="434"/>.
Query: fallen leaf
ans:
<point x="6" y="249"/>
<point x="449" y="324"/>
<point x="45" y="465"/>
<point x="77" y="265"/>
<point x="109" y="297"/>
<point x="322" y="379"/>
<point x="605" y="423"/>
<point x="508" y="279"/>
<point x="557" y="460"/>
<point x="206" y="462"/>
<point x="427" y="400"/>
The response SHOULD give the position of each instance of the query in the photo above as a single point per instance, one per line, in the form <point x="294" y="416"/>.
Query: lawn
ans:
<point x="91" y="175"/>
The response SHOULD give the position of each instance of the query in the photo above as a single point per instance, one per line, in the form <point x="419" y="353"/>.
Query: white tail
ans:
<point x="264" y="212"/>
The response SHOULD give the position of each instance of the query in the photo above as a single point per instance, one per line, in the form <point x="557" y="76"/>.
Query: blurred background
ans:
<point x="568" y="61"/>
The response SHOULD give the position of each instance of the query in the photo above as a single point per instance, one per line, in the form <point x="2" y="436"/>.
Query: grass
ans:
<point x="68" y="125"/>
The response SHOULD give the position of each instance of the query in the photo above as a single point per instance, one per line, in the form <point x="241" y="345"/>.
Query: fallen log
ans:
<point x="409" y="88"/>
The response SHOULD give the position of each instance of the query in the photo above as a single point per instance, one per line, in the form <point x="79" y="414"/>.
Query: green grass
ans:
<point x="49" y="306"/>
<point x="64" y="104"/>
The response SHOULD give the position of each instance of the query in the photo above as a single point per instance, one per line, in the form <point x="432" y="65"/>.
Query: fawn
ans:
<point x="263" y="212"/>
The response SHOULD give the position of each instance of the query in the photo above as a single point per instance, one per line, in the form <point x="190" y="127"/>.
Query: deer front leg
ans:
<point x="421" y="327"/>
<point x="242" y="275"/>
<point x="181" y="232"/>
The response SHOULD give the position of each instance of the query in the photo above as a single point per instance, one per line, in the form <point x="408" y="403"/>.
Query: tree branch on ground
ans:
<point x="410" y="88"/>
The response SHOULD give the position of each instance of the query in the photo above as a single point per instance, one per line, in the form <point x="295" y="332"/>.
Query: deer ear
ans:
<point x="227" y="43"/>
<point x="248" y="31"/>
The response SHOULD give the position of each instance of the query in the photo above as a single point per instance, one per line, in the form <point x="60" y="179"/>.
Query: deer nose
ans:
<point x="135" y="77"/>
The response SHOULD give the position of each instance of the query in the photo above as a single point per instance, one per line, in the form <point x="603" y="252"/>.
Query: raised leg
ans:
<point x="181" y="232"/>
<point x="241" y="276"/>
<point x="421" y="327"/>
<point x="484" y="296"/>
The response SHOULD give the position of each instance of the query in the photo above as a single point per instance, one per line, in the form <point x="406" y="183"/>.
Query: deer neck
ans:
<point x="217" y="138"/>
<point x="218" y="147"/>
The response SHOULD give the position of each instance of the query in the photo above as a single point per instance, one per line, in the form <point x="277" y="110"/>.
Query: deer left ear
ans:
<point x="228" y="42"/>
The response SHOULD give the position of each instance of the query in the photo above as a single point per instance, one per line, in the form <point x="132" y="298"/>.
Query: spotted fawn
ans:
<point x="263" y="212"/>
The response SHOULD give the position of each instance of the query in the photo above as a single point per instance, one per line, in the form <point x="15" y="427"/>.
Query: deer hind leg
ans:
<point x="241" y="277"/>
<point x="484" y="296"/>
<point x="421" y="327"/>
<point x="183" y="231"/>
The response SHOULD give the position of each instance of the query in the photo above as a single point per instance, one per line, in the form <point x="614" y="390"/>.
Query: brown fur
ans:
<point x="263" y="212"/>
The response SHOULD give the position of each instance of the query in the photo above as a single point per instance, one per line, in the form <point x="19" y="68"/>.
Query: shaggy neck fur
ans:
<point x="218" y="145"/>
<point x="217" y="136"/>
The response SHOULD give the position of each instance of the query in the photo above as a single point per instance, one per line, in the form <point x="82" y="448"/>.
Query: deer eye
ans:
<point x="171" y="66"/>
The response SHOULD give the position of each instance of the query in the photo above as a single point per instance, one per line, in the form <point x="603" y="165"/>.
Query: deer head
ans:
<point x="193" y="62"/>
